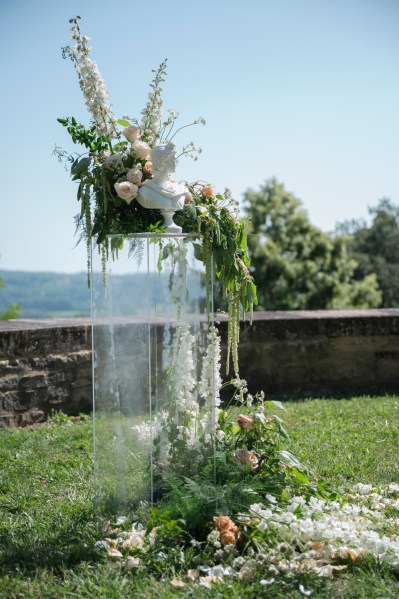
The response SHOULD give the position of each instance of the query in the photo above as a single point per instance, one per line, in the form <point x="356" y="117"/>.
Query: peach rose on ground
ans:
<point x="208" y="191"/>
<point x="132" y="133"/>
<point x="228" y="531"/>
<point x="126" y="190"/>
<point x="224" y="523"/>
<point x="141" y="149"/>
<point x="228" y="537"/>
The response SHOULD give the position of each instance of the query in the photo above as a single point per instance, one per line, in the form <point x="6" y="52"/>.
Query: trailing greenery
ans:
<point x="47" y="522"/>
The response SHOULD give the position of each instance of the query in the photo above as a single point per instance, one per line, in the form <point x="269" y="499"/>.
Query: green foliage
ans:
<point x="296" y="265"/>
<point x="375" y="248"/>
<point x="88" y="138"/>
<point x="13" y="311"/>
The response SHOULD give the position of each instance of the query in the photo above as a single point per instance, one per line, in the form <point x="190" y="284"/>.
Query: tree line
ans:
<point x="297" y="266"/>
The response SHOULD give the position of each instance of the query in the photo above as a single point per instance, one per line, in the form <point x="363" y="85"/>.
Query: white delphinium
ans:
<point x="152" y="113"/>
<point x="210" y="384"/>
<point x="92" y="84"/>
<point x="182" y="383"/>
<point x="184" y="379"/>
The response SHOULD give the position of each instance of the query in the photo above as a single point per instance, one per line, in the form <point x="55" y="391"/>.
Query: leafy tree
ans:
<point x="296" y="265"/>
<point x="376" y="248"/>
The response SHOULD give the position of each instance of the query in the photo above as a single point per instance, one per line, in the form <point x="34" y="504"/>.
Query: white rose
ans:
<point x="141" y="149"/>
<point x="126" y="190"/>
<point x="132" y="133"/>
<point x="134" y="176"/>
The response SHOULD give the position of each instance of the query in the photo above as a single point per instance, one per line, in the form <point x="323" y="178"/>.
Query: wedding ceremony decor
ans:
<point x="190" y="486"/>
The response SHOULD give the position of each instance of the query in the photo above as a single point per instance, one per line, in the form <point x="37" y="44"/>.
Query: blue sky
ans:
<point x="303" y="90"/>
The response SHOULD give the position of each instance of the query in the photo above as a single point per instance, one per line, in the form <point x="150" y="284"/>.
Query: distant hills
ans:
<point x="45" y="294"/>
<point x="57" y="295"/>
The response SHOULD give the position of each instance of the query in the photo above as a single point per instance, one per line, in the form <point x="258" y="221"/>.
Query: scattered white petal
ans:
<point x="264" y="582"/>
<point x="303" y="591"/>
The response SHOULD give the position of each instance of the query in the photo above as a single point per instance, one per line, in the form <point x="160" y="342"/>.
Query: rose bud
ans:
<point x="246" y="458"/>
<point x="245" y="421"/>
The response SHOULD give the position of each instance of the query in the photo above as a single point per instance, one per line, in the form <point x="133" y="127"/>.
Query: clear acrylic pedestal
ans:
<point x="152" y="383"/>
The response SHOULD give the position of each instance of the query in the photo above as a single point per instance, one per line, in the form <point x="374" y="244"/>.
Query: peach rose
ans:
<point x="224" y="523"/>
<point x="208" y="191"/>
<point x="147" y="168"/>
<point x="246" y="458"/>
<point x="126" y="190"/>
<point x="228" y="531"/>
<point x="131" y="133"/>
<point x="245" y="421"/>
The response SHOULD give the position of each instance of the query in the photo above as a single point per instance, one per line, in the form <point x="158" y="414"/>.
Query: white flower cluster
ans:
<point x="136" y="539"/>
<point x="92" y="84"/>
<point x="211" y="382"/>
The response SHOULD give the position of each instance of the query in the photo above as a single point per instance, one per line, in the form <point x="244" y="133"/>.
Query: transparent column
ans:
<point x="150" y="337"/>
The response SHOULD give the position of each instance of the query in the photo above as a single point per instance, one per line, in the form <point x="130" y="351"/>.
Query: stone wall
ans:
<point x="46" y="365"/>
<point x="299" y="354"/>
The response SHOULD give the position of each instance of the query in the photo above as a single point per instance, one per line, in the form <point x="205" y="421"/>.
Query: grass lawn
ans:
<point x="48" y="531"/>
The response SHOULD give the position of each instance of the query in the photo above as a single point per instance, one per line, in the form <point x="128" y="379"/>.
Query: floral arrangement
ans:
<point x="116" y="162"/>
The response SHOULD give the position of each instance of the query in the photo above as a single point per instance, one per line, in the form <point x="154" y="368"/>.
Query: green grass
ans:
<point x="347" y="441"/>
<point x="48" y="530"/>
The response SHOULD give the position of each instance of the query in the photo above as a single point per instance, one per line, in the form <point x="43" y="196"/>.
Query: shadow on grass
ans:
<point x="59" y="544"/>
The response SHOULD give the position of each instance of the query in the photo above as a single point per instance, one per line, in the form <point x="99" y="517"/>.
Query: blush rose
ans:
<point x="126" y="190"/>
